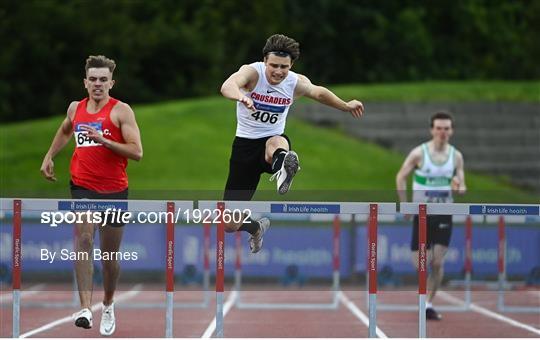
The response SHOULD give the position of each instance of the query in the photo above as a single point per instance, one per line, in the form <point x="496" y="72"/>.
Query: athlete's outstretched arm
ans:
<point x="241" y="79"/>
<point x="458" y="181"/>
<point x="61" y="138"/>
<point x="132" y="148"/>
<point x="304" y="87"/>
<point x="411" y="162"/>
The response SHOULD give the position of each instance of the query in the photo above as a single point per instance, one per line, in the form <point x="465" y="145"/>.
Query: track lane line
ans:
<point x="124" y="296"/>
<point x="358" y="313"/>
<point x="8" y="297"/>
<point x="226" y="307"/>
<point x="534" y="292"/>
<point x="489" y="313"/>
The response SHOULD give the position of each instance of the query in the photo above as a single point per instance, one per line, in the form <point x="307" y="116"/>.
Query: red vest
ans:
<point x="94" y="166"/>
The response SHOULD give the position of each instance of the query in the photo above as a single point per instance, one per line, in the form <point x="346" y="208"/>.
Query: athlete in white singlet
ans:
<point x="438" y="171"/>
<point x="264" y="92"/>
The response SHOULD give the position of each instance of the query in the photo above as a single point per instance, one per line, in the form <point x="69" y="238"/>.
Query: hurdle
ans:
<point x="205" y="301"/>
<point x="336" y="224"/>
<point x="424" y="209"/>
<point x="278" y="207"/>
<point x="20" y="206"/>
<point x="502" y="283"/>
<point x="372" y="273"/>
<point x="413" y="208"/>
<point x="371" y="270"/>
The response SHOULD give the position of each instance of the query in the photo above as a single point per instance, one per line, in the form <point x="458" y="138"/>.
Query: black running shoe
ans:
<point x="431" y="314"/>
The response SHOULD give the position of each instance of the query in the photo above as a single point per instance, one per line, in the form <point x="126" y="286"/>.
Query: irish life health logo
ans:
<point x="517" y="210"/>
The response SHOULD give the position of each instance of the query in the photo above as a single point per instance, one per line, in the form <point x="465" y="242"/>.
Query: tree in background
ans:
<point x="170" y="49"/>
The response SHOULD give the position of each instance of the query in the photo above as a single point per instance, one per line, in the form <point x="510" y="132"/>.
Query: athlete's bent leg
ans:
<point x="273" y="144"/>
<point x="285" y="163"/>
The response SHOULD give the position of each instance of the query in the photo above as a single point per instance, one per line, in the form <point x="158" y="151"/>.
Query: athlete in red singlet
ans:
<point x="97" y="168"/>
<point x="106" y="136"/>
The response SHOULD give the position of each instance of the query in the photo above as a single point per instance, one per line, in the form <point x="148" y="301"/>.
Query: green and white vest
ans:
<point x="433" y="181"/>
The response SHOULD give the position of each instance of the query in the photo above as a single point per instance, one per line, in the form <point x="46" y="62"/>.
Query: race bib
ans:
<point x="269" y="114"/>
<point x="437" y="196"/>
<point x="81" y="140"/>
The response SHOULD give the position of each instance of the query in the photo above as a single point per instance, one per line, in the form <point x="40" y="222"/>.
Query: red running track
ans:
<point x="279" y="323"/>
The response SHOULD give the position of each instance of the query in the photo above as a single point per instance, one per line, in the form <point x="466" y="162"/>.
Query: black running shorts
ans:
<point x="246" y="165"/>
<point x="439" y="231"/>
<point x="78" y="192"/>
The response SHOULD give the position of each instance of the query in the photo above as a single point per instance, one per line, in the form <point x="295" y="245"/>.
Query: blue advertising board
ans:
<point x="523" y="251"/>
<point x="308" y="247"/>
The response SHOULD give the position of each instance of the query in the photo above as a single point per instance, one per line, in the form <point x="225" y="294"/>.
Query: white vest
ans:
<point x="433" y="182"/>
<point x="272" y="103"/>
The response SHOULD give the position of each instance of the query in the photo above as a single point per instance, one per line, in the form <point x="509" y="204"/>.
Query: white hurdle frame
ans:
<point x="18" y="206"/>
<point x="266" y="207"/>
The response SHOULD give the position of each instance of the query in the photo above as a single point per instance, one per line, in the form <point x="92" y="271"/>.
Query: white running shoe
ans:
<point x="108" y="322"/>
<point x="83" y="318"/>
<point x="256" y="241"/>
<point x="285" y="175"/>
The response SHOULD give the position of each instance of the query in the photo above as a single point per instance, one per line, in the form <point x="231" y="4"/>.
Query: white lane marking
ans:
<point x="226" y="307"/>
<point x="124" y="296"/>
<point x="358" y="313"/>
<point x="489" y="313"/>
<point x="8" y="297"/>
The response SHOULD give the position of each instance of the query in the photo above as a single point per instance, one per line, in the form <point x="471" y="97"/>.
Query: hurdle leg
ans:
<point x="422" y="269"/>
<point x="336" y="261"/>
<point x="169" y="269"/>
<point x="468" y="261"/>
<point x="501" y="263"/>
<point x="16" y="270"/>
<point x="220" y="272"/>
<point x="238" y="264"/>
<point x="206" y="275"/>
<point x="372" y="270"/>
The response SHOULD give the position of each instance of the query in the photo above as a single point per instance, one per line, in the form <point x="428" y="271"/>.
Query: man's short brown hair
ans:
<point x="98" y="61"/>
<point x="282" y="45"/>
<point x="442" y="115"/>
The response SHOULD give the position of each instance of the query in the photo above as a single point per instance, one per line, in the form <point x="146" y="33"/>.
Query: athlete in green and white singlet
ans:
<point x="432" y="182"/>
<point x="438" y="171"/>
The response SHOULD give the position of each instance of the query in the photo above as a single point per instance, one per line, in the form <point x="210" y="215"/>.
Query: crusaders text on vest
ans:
<point x="272" y="103"/>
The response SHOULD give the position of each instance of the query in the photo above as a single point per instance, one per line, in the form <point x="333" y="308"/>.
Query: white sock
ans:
<point x="429" y="305"/>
